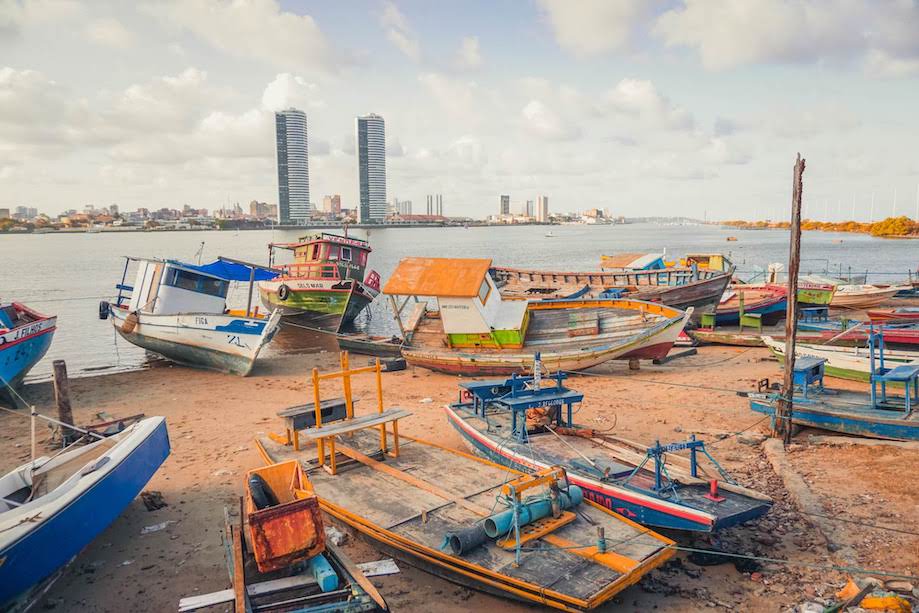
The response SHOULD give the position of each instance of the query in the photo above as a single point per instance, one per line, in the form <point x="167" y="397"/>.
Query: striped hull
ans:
<point x="862" y="299"/>
<point x="21" y="349"/>
<point x="325" y="304"/>
<point x="627" y="501"/>
<point x="653" y="343"/>
<point x="33" y="551"/>
<point x="223" y="343"/>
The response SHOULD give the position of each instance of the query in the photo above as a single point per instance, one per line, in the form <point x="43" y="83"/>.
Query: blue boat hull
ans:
<point x="18" y="358"/>
<point x="857" y="420"/>
<point x="58" y="539"/>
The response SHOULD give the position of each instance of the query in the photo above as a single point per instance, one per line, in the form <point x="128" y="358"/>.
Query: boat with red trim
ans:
<point x="25" y="336"/>
<point x="527" y="426"/>
<point x="768" y="301"/>
<point x="459" y="323"/>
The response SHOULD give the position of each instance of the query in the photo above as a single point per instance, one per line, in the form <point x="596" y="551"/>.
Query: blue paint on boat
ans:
<point x="769" y="313"/>
<point x="25" y="337"/>
<point x="243" y="326"/>
<point x="58" y="539"/>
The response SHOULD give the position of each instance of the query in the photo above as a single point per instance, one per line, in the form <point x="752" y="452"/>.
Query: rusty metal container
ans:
<point x="290" y="531"/>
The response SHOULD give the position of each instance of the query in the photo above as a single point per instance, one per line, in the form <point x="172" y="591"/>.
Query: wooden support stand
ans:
<point x="62" y="400"/>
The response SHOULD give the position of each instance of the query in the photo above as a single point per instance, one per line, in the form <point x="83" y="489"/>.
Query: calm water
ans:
<point x="67" y="275"/>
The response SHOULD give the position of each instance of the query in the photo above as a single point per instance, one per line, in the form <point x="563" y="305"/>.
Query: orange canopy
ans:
<point x="447" y="277"/>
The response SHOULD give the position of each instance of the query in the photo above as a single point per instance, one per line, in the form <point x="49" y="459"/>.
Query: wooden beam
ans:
<point x="785" y="409"/>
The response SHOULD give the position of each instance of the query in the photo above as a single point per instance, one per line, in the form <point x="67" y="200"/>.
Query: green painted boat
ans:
<point x="815" y="294"/>
<point x="852" y="363"/>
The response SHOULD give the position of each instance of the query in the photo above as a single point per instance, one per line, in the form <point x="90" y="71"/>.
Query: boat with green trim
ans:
<point x="852" y="363"/>
<point x="324" y="287"/>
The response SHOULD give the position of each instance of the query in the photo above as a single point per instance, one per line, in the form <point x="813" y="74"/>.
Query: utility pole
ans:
<point x="784" y="410"/>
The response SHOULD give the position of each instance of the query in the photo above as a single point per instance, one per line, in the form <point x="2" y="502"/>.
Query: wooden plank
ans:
<point x="358" y="423"/>
<point x="358" y="575"/>
<point x="192" y="603"/>
<point x="240" y="598"/>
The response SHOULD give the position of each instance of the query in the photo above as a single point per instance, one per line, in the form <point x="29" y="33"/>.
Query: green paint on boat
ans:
<point x="840" y="373"/>
<point x="816" y="296"/>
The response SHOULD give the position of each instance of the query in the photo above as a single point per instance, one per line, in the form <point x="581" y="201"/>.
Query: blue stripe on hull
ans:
<point x="17" y="360"/>
<point x="61" y="537"/>
<point x="805" y="416"/>
<point x="635" y="512"/>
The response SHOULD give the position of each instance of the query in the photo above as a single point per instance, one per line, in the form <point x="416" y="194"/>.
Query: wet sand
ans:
<point x="212" y="419"/>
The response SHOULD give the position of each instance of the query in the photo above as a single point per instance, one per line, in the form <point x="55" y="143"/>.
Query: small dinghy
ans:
<point x="53" y="507"/>
<point x="179" y="311"/>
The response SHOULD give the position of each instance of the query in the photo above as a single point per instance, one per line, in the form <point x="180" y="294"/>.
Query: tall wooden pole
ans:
<point x="62" y="399"/>
<point x="785" y="406"/>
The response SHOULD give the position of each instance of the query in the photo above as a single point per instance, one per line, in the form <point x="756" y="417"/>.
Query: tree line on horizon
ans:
<point x="892" y="226"/>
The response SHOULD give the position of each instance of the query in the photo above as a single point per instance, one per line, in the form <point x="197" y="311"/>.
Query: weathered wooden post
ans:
<point x="62" y="399"/>
<point x="785" y="407"/>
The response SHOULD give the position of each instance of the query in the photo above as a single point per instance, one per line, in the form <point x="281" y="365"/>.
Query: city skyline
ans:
<point x="642" y="108"/>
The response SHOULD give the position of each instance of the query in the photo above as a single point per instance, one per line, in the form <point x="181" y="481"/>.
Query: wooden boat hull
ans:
<point x="720" y="336"/>
<point x="628" y="501"/>
<point x="815" y="295"/>
<point x="866" y="299"/>
<point x="853" y="364"/>
<point x="323" y="304"/>
<point x="651" y="343"/>
<point x="771" y="308"/>
<point x="680" y="288"/>
<point x="21" y="348"/>
<point x="892" y="315"/>
<point x="365" y="345"/>
<point x="407" y="514"/>
<point x="848" y="413"/>
<point x="225" y="343"/>
<point x="33" y="550"/>
<point x="820" y="332"/>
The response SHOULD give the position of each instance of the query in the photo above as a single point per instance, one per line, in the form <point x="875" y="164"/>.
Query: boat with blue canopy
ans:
<point x="521" y="423"/>
<point x="179" y="311"/>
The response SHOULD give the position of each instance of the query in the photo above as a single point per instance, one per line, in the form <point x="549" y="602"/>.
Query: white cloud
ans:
<point x="287" y="90"/>
<point x="882" y="65"/>
<point x="727" y="33"/>
<point x="256" y="29"/>
<point x="641" y="98"/>
<point x="109" y="32"/>
<point x="541" y="121"/>
<point x="399" y="32"/>
<point x="456" y="96"/>
<point x="592" y="27"/>
<point x="469" y="55"/>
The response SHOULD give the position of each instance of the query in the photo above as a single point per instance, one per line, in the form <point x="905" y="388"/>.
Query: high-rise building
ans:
<point x="528" y="211"/>
<point x="505" y="205"/>
<point x="4" y="213"/>
<point x="430" y="203"/>
<point x="332" y="204"/>
<point x="542" y="209"/>
<point x="293" y="166"/>
<point x="370" y="131"/>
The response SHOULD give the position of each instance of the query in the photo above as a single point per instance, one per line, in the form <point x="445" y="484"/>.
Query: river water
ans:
<point x="68" y="274"/>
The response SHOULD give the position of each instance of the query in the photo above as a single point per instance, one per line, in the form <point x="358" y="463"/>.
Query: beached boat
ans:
<point x="527" y="426"/>
<point x="845" y="331"/>
<point x="469" y="328"/>
<point x="899" y="314"/>
<point x="53" y="507"/>
<point x="769" y="301"/>
<point x="853" y="363"/>
<point x="633" y="261"/>
<point x="729" y="335"/>
<point x="861" y="296"/>
<point x="366" y="344"/>
<point x="25" y="336"/>
<point x="436" y="508"/>
<point x="680" y="288"/>
<point x="179" y="311"/>
<point x="846" y="412"/>
<point x="325" y="287"/>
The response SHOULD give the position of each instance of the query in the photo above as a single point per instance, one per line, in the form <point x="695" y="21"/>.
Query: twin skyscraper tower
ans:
<point x="294" y="174"/>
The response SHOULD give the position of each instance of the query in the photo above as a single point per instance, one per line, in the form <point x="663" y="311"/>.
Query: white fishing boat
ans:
<point x="179" y="311"/>
<point x="853" y="363"/>
<point x="53" y="507"/>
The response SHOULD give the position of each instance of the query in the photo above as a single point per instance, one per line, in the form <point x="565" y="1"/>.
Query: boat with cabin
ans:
<point x="460" y="323"/>
<point x="179" y="311"/>
<point x="25" y="336"/>
<point x="325" y="287"/>
<point x="51" y="508"/>
<point x="525" y="423"/>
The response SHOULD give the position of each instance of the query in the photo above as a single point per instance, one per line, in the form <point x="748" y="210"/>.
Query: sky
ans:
<point x="644" y="107"/>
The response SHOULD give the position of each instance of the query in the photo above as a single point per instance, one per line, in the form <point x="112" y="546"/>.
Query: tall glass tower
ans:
<point x="293" y="166"/>
<point x="371" y="167"/>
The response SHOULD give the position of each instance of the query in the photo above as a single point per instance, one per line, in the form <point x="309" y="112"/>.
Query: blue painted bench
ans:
<point x="808" y="370"/>
<point x="906" y="374"/>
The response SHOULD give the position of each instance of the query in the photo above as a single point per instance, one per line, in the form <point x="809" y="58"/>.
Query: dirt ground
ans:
<point x="212" y="419"/>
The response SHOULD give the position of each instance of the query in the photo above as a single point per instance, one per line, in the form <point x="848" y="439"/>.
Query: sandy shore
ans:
<point x="212" y="419"/>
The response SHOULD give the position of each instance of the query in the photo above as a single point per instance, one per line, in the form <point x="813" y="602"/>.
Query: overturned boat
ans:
<point x="179" y="311"/>
<point x="460" y="323"/>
